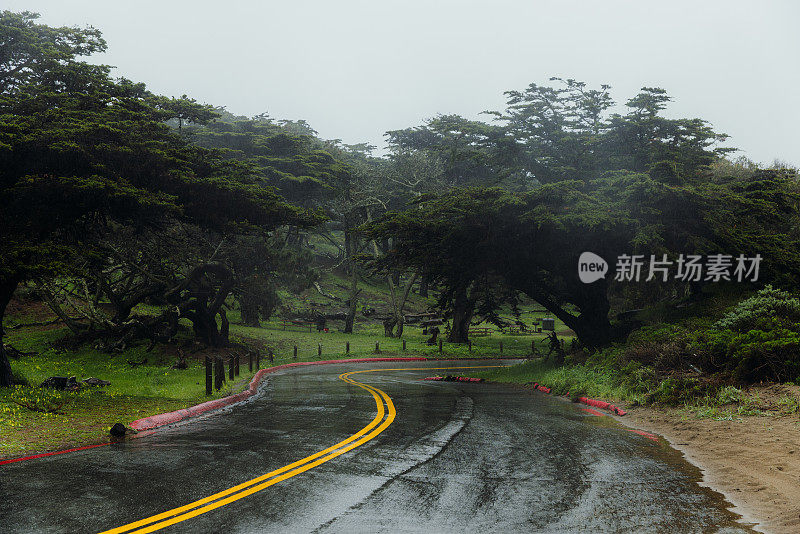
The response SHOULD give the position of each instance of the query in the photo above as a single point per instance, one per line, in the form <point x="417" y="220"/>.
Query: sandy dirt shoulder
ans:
<point x="753" y="460"/>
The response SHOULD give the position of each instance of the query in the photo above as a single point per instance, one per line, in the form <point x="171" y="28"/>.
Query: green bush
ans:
<point x="768" y="309"/>
<point x="758" y="340"/>
<point x="674" y="391"/>
<point x="661" y="347"/>
<point x="756" y="354"/>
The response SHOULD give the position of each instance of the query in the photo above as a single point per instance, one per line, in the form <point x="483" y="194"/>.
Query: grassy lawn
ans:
<point x="362" y="343"/>
<point x="85" y="416"/>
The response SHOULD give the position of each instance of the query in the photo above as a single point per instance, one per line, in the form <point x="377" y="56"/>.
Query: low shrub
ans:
<point x="729" y="395"/>
<point x="674" y="391"/>
<point x="758" y="340"/>
<point x="766" y="310"/>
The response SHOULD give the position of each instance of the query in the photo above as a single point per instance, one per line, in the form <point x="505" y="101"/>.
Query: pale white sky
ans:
<point x="355" y="69"/>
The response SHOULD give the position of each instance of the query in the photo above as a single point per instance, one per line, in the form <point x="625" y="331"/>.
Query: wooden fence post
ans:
<point x="440" y="346"/>
<point x="347" y="348"/>
<point x="295" y="352"/>
<point x="271" y="356"/>
<point x="377" y="347"/>
<point x="501" y="347"/>
<point x="469" y="344"/>
<point x="404" y="345"/>
<point x="219" y="373"/>
<point x="209" y="370"/>
<point x="319" y="350"/>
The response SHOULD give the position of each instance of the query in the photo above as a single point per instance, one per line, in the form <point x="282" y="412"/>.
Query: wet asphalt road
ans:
<point x="459" y="457"/>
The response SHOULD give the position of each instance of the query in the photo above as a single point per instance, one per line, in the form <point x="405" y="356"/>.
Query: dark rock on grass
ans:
<point x="61" y="382"/>
<point x="92" y="381"/>
<point x="118" y="430"/>
<point x="180" y="365"/>
<point x="55" y="382"/>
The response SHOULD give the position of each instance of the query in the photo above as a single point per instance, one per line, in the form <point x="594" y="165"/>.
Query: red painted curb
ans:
<point x="541" y="388"/>
<point x="155" y="421"/>
<point x="33" y="457"/>
<point x="586" y="400"/>
<point x="602" y="405"/>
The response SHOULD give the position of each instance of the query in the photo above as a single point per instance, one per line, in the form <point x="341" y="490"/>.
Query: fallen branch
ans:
<point x="321" y="292"/>
<point x="40" y="323"/>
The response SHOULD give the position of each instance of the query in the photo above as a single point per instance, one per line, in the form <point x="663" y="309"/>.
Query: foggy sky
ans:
<point x="355" y="69"/>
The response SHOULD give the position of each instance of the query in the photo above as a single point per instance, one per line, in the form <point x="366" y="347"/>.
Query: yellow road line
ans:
<point x="217" y="500"/>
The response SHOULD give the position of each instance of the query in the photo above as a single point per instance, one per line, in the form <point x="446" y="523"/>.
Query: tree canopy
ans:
<point x="84" y="156"/>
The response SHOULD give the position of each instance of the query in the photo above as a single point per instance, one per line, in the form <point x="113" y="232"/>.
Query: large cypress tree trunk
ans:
<point x="351" y="316"/>
<point x="7" y="288"/>
<point x="249" y="308"/>
<point x="591" y="326"/>
<point x="388" y="326"/>
<point x="349" y="248"/>
<point x="208" y="286"/>
<point x="351" y="310"/>
<point x="400" y="303"/>
<point x="423" y="287"/>
<point x="205" y="327"/>
<point x="463" y="308"/>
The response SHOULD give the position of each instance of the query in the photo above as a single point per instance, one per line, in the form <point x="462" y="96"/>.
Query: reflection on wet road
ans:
<point x="458" y="457"/>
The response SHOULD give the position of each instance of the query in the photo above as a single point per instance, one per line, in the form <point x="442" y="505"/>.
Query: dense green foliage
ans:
<point x="531" y="241"/>
<point x="98" y="188"/>
<point x="758" y="339"/>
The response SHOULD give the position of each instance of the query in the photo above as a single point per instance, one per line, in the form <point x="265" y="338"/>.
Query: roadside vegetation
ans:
<point x="705" y="358"/>
<point x="37" y="419"/>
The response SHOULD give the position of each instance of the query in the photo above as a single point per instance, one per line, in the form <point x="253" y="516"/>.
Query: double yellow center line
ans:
<point x="384" y="417"/>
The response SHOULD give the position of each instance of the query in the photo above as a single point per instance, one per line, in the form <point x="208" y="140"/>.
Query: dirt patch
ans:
<point x="32" y="315"/>
<point x="32" y="310"/>
<point x="753" y="460"/>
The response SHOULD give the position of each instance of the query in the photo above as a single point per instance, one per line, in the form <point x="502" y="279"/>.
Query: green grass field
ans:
<point x="84" y="416"/>
<point x="362" y="343"/>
